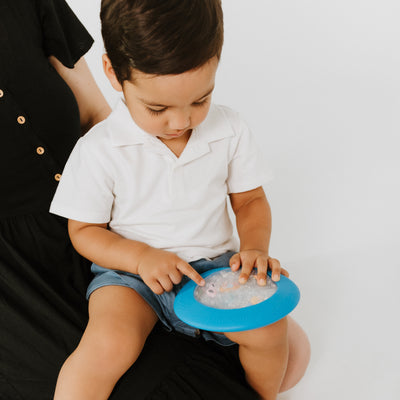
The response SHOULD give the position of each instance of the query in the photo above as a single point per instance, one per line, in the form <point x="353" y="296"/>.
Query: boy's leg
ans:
<point x="299" y="355"/>
<point x="271" y="356"/>
<point x="119" y="322"/>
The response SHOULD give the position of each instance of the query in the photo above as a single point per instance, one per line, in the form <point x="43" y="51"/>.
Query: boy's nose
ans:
<point x="179" y="121"/>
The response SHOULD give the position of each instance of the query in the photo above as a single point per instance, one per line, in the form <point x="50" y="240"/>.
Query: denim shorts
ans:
<point x="162" y="304"/>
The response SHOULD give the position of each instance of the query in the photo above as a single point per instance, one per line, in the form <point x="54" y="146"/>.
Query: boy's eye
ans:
<point x="200" y="103"/>
<point x="155" y="112"/>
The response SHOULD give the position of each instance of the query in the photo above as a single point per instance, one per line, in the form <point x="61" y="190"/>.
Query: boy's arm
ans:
<point x="253" y="221"/>
<point x="159" y="269"/>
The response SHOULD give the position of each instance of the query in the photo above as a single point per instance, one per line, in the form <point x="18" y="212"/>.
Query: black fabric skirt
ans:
<point x="42" y="303"/>
<point x="43" y="312"/>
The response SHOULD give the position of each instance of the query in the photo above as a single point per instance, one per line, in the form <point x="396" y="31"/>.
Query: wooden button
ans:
<point x="21" y="120"/>
<point x="1" y="93"/>
<point x="57" y="177"/>
<point x="40" y="150"/>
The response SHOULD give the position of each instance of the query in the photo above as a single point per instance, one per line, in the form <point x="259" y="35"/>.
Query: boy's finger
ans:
<point x="247" y="267"/>
<point x="175" y="276"/>
<point x="234" y="262"/>
<point x="156" y="287"/>
<point x="262" y="267"/>
<point x="284" y="272"/>
<point x="275" y="267"/>
<point x="191" y="273"/>
<point x="166" y="283"/>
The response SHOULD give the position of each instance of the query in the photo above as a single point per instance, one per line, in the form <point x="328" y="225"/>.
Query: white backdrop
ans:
<point x="319" y="83"/>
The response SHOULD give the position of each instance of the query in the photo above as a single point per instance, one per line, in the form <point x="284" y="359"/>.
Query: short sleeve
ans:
<point x="64" y="35"/>
<point x="85" y="191"/>
<point x="248" y="168"/>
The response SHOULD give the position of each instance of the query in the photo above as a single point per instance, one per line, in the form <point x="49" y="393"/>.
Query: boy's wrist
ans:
<point x="259" y="248"/>
<point x="139" y="251"/>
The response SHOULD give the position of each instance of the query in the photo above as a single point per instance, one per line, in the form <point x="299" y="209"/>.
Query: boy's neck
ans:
<point x="177" y="145"/>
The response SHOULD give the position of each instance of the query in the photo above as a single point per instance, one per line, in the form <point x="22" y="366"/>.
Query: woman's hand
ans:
<point x="249" y="259"/>
<point x="161" y="269"/>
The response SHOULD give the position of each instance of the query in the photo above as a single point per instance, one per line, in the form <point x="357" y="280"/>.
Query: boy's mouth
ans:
<point x="178" y="133"/>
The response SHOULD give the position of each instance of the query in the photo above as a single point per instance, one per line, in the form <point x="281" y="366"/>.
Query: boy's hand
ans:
<point x="249" y="259"/>
<point x="161" y="270"/>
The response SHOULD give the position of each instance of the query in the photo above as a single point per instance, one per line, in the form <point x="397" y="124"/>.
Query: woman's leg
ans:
<point x="119" y="322"/>
<point x="274" y="357"/>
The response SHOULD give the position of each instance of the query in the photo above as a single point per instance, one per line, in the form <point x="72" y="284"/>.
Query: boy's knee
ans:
<point x="264" y="337"/>
<point x="113" y="350"/>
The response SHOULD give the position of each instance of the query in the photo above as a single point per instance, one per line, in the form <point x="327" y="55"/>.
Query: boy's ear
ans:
<point x="110" y="73"/>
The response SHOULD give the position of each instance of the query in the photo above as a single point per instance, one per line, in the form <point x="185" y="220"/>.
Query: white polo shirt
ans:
<point x="121" y="175"/>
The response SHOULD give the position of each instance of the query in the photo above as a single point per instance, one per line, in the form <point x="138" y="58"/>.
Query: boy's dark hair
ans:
<point x="161" y="37"/>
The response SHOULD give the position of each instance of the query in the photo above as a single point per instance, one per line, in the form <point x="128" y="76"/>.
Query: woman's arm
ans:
<point x="93" y="107"/>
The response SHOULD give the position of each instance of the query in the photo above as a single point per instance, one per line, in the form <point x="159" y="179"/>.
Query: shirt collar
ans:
<point x="123" y="129"/>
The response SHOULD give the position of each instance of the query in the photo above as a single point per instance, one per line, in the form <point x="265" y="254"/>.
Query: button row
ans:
<point x="39" y="150"/>
<point x="21" y="119"/>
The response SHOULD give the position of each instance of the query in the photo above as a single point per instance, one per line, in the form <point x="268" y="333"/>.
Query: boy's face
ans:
<point x="170" y="106"/>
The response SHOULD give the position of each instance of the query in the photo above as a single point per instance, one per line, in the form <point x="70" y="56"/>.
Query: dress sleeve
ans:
<point x="64" y="36"/>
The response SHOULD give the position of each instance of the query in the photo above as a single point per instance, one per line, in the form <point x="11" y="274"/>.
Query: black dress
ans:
<point x="43" y="281"/>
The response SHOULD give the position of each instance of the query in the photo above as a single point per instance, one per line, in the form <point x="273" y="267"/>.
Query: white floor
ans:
<point x="350" y="310"/>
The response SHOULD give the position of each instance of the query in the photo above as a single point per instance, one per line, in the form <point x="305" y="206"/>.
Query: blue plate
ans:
<point x="198" y="315"/>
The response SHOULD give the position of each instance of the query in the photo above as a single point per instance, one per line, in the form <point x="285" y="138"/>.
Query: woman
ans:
<point x="48" y="98"/>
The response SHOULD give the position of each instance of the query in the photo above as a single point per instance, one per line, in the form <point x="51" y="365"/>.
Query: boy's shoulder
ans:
<point x="224" y="117"/>
<point x="224" y="112"/>
<point x="117" y="129"/>
<point x="97" y="136"/>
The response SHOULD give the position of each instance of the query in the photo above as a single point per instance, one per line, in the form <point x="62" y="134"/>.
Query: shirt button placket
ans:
<point x="171" y="172"/>
<point x="179" y="181"/>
